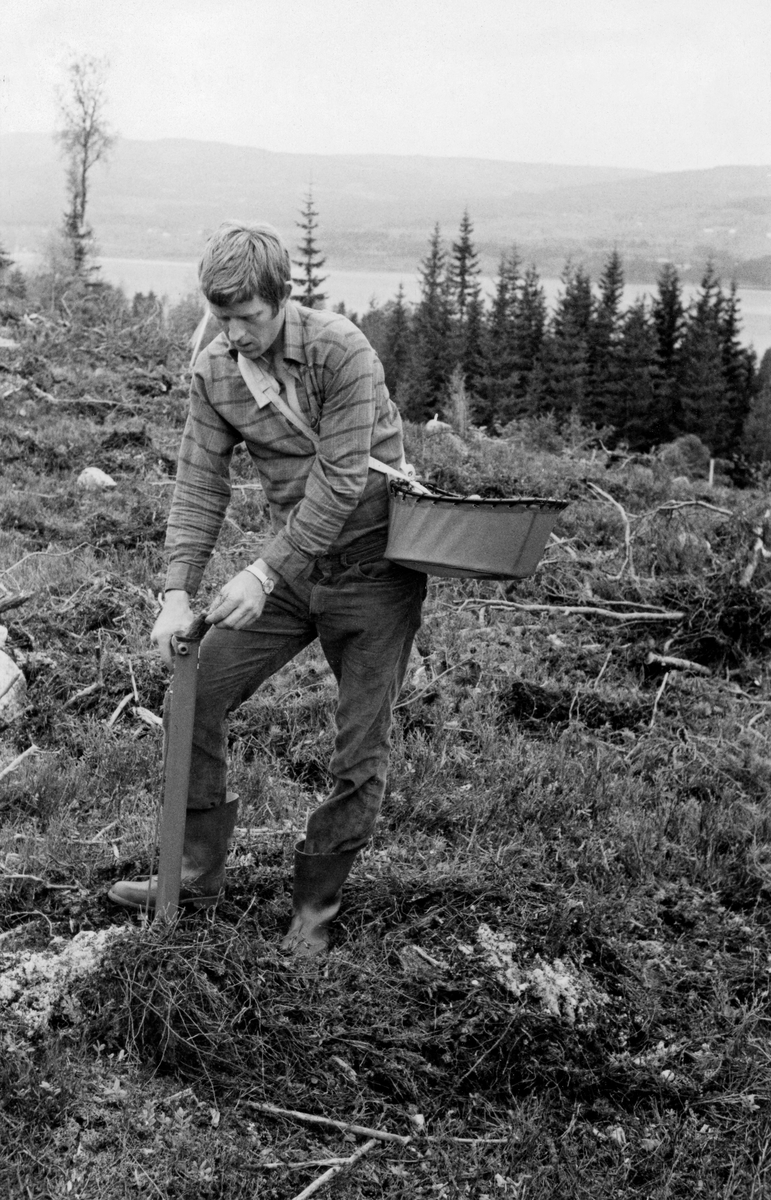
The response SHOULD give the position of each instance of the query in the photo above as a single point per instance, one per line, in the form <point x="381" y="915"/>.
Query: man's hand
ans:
<point x="239" y="603"/>
<point x="175" y="617"/>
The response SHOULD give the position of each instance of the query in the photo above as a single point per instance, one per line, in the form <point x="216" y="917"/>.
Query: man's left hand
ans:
<point x="238" y="604"/>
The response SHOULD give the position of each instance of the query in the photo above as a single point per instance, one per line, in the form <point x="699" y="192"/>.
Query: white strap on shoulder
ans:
<point x="252" y="377"/>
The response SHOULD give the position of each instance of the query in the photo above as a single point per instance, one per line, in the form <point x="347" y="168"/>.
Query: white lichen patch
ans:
<point x="560" y="988"/>
<point x="33" y="985"/>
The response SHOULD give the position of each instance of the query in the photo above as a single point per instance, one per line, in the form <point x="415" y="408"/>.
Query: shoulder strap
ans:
<point x="252" y="377"/>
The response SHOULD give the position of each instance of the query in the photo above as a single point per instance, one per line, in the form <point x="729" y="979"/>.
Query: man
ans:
<point x="322" y="573"/>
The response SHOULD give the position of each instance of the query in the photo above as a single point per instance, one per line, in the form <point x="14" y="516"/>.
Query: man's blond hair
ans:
<point x="244" y="260"/>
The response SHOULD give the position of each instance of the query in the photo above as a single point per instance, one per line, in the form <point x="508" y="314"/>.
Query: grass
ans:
<point x="551" y="970"/>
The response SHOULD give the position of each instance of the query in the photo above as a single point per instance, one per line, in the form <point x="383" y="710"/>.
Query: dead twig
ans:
<point x="580" y="609"/>
<point x="628" y="562"/>
<point x="46" y="554"/>
<point x="86" y="691"/>
<point x="14" y="601"/>
<point x="311" y="1118"/>
<point x="322" y="1180"/>
<point x="15" y="762"/>
<point x="677" y="664"/>
<point x="118" y="710"/>
<point x="659" y="694"/>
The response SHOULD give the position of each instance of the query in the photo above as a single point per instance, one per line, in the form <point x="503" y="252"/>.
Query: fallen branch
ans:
<point x="677" y="664"/>
<point x="118" y="710"/>
<point x="319" y="1183"/>
<point x="46" y="554"/>
<point x="580" y="609"/>
<point x="627" y="531"/>
<point x="86" y="691"/>
<point x="346" y="1126"/>
<point x="15" y="762"/>
<point x="15" y="600"/>
<point x="659" y="694"/>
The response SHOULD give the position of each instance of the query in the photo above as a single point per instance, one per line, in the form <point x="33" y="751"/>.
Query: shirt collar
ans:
<point x="294" y="344"/>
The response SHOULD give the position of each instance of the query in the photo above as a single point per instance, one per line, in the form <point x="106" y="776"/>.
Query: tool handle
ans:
<point x="194" y="632"/>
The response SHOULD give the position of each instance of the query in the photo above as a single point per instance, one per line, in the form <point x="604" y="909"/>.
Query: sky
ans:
<point x="663" y="85"/>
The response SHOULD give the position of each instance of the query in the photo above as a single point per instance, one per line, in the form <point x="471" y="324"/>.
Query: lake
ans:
<point x="174" y="279"/>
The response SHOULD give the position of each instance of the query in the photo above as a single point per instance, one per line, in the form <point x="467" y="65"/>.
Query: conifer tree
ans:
<point x="669" y="320"/>
<point x="398" y="343"/>
<point x="466" y="298"/>
<point x="432" y="352"/>
<point x="528" y="332"/>
<point x="634" y="407"/>
<point x="472" y="360"/>
<point x="464" y="270"/>
<point x="565" y="356"/>
<point x="702" y="382"/>
<point x="739" y="371"/>
<point x="756" y="435"/>
<point x="394" y="340"/>
<point x="495" y="388"/>
<point x="310" y="262"/>
<point x="603" y="347"/>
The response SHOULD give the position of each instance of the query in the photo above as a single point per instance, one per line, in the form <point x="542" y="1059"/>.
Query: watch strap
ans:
<point x="265" y="580"/>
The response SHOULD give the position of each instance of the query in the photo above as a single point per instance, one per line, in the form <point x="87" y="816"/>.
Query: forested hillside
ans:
<point x="156" y="200"/>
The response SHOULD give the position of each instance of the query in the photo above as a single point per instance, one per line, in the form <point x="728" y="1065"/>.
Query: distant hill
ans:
<point x="159" y="200"/>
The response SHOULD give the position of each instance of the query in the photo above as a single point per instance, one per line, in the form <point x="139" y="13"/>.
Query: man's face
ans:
<point x="252" y="326"/>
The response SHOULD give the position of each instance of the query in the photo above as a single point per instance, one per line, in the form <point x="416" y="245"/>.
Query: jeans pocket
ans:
<point x="377" y="570"/>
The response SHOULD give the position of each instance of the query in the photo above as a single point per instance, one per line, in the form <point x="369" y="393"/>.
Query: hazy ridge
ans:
<point x="160" y="198"/>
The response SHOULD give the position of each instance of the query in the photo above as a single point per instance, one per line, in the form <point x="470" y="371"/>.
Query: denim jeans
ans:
<point x="365" y="612"/>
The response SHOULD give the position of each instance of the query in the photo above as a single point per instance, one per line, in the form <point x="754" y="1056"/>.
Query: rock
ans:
<point x="95" y="480"/>
<point x="13" y="689"/>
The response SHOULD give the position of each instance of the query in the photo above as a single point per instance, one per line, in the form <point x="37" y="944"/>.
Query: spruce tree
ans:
<point x="495" y="387"/>
<point x="565" y="354"/>
<point x="464" y="269"/>
<point x="468" y="309"/>
<point x="604" y="339"/>
<point x="756" y="436"/>
<point x="528" y="332"/>
<point x="398" y="343"/>
<point x="703" y="396"/>
<point x="310" y="262"/>
<point x="432" y="351"/>
<point x="669" y="321"/>
<point x="472" y="361"/>
<point x="635" y="404"/>
<point x="739" y="371"/>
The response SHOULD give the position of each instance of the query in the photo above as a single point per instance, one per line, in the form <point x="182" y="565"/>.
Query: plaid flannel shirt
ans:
<point x="320" y="502"/>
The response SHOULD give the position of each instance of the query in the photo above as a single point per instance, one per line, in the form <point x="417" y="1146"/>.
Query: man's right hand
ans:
<point x="175" y="616"/>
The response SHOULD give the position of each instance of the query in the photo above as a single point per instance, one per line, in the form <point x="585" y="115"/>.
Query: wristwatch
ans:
<point x="267" y="583"/>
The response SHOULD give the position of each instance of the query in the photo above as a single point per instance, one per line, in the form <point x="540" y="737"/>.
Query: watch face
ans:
<point x="268" y="585"/>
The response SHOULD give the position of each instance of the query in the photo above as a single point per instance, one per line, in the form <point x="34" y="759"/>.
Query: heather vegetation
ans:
<point x="550" y="976"/>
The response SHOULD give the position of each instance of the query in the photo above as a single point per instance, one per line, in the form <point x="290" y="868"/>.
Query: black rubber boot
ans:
<point x="207" y="834"/>
<point x="316" y="894"/>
